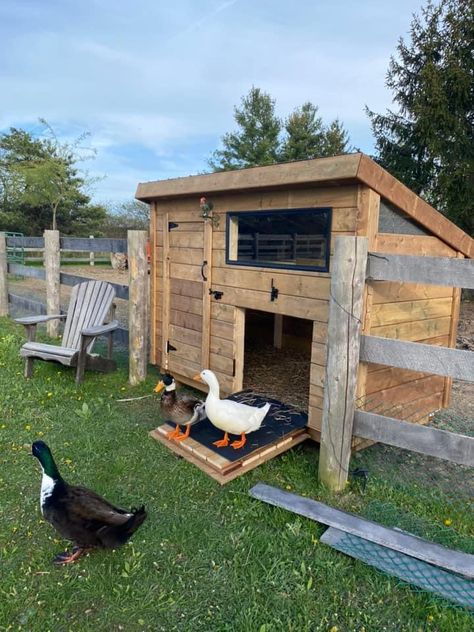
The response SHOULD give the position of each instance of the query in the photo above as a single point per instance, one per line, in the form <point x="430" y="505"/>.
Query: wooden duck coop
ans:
<point x="241" y="264"/>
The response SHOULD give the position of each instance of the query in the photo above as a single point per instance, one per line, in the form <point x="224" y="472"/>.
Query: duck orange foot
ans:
<point x="182" y="436"/>
<point x="174" y="433"/>
<point x="69" y="558"/>
<point x="223" y="443"/>
<point x="239" y="444"/>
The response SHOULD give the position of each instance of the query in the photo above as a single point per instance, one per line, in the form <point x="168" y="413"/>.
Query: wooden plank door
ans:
<point x="186" y="306"/>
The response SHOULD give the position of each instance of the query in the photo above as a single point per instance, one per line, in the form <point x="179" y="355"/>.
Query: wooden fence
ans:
<point x="52" y="244"/>
<point x="352" y="267"/>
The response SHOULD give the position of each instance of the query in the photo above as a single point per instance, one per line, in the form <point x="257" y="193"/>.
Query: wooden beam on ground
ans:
<point x="418" y="356"/>
<point x="425" y="270"/>
<point x="449" y="446"/>
<point x="456" y="561"/>
<point x="3" y="276"/>
<point x="52" y="264"/>
<point x="345" y="316"/>
<point x="138" y="305"/>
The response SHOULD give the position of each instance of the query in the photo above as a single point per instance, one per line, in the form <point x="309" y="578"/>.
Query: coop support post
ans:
<point x="137" y="305"/>
<point x="3" y="276"/>
<point x="52" y="264"/>
<point x="344" y="327"/>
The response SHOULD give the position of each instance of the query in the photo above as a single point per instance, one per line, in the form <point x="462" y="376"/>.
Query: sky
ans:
<point x="155" y="83"/>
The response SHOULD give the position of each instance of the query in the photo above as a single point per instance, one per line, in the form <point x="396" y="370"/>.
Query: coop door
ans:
<point x="186" y="298"/>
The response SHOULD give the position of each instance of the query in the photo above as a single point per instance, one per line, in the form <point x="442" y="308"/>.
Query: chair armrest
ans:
<point x="36" y="320"/>
<point x="99" y="330"/>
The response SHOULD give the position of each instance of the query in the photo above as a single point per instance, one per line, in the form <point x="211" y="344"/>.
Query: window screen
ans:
<point x="290" y="238"/>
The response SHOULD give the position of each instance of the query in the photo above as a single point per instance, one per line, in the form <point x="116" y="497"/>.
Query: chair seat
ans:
<point x="64" y="355"/>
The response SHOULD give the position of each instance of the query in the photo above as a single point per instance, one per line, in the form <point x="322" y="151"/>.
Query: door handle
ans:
<point x="204" y="264"/>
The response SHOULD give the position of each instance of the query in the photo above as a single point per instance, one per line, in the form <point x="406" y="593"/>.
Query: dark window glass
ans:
<point x="296" y="238"/>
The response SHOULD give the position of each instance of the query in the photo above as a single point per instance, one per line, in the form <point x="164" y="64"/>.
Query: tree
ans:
<point x="41" y="187"/>
<point x="257" y="140"/>
<point x="428" y="141"/>
<point x="124" y="216"/>
<point x="307" y="137"/>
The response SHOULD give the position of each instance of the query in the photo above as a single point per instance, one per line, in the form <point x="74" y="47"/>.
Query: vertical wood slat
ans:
<point x="206" y="298"/>
<point x="455" y="309"/>
<point x="166" y="292"/>
<point x="137" y="305"/>
<point x="52" y="263"/>
<point x="344" y="326"/>
<point x="153" y="284"/>
<point x="3" y="276"/>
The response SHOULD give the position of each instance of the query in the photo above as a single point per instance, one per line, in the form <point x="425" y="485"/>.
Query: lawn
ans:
<point x="208" y="558"/>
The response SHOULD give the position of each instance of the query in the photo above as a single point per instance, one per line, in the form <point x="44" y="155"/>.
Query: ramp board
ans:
<point x="409" y="569"/>
<point x="283" y="427"/>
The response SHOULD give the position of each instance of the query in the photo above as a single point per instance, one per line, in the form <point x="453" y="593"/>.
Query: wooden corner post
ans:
<point x="138" y="305"/>
<point x="3" y="276"/>
<point x="345" y="314"/>
<point x="52" y="264"/>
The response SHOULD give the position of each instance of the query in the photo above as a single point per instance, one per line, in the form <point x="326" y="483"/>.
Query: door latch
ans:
<point x="274" y="292"/>
<point x="217" y="295"/>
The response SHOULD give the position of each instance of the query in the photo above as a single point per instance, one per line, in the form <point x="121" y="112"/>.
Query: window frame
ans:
<point x="272" y="212"/>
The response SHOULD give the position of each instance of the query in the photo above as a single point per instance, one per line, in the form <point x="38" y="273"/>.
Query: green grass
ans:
<point x="208" y="558"/>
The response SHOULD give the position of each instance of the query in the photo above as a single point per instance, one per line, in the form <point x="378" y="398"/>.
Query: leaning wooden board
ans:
<point x="455" y="561"/>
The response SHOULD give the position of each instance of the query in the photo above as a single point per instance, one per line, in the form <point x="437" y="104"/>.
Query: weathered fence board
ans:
<point x="345" y="314"/>
<point x="77" y="244"/>
<point x="138" y="305"/>
<point x="402" y="434"/>
<point x="453" y="560"/>
<point x="417" y="356"/>
<point x="428" y="270"/>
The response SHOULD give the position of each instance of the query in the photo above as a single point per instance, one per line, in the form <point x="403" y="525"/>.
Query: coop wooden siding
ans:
<point x="414" y="312"/>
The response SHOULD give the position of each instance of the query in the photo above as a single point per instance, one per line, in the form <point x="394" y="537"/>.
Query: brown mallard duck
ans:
<point x="182" y="410"/>
<point x="79" y="514"/>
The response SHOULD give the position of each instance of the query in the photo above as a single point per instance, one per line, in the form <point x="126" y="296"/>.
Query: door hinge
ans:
<point x="233" y="367"/>
<point x="172" y="225"/>
<point x="169" y="347"/>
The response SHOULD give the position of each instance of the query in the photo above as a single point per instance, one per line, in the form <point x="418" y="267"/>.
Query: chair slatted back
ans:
<point x="89" y="305"/>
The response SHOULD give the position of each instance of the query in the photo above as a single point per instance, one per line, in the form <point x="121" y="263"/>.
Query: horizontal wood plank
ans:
<point x="414" y="331"/>
<point x="412" y="245"/>
<point x="391" y="292"/>
<point x="427" y="270"/>
<point x="408" y="311"/>
<point x="449" y="446"/>
<point x="418" y="357"/>
<point x="456" y="561"/>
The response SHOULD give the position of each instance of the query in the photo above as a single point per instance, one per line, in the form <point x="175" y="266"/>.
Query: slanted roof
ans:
<point x="336" y="170"/>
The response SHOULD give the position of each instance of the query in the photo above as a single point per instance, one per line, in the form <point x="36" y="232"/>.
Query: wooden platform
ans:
<point x="283" y="428"/>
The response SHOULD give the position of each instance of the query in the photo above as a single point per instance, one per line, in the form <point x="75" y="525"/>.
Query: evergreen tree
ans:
<point x="256" y="141"/>
<point x="428" y="142"/>
<point x="307" y="137"/>
<point x="41" y="187"/>
<point x="304" y="134"/>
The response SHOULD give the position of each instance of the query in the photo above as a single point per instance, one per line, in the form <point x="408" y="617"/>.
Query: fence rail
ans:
<point x="428" y="270"/>
<point x="52" y="244"/>
<point x="72" y="244"/>
<point x="337" y="427"/>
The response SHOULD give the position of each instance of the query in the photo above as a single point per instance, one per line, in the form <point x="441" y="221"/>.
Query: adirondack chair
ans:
<point x="89" y="305"/>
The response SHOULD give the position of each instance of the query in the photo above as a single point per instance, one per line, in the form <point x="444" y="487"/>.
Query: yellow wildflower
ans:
<point x="448" y="522"/>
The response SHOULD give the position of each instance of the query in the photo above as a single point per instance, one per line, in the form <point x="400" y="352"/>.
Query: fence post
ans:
<point x="137" y="305"/>
<point x="91" y="254"/>
<point x="345" y="313"/>
<point x="3" y="276"/>
<point x="52" y="262"/>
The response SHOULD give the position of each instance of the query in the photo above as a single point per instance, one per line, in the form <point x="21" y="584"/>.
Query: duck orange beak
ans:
<point x="198" y="378"/>
<point x="159" y="387"/>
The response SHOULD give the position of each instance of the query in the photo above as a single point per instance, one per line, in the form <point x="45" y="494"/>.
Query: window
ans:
<point x="290" y="238"/>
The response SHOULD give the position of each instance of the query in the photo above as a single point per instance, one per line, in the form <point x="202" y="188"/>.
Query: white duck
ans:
<point x="230" y="416"/>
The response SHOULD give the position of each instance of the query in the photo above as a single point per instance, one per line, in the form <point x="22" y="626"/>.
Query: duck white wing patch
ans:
<point x="47" y="486"/>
